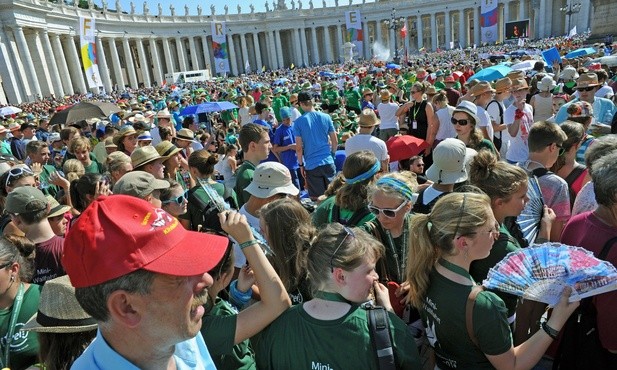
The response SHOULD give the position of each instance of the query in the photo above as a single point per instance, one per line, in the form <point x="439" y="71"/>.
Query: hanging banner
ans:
<point x="219" y="47"/>
<point x="87" y="47"/>
<point x="489" y="20"/>
<point x="353" y="22"/>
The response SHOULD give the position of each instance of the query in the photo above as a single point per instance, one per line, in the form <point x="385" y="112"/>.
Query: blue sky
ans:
<point x="233" y="4"/>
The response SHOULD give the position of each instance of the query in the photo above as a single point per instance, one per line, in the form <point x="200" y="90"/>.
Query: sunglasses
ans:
<point x="179" y="199"/>
<point x="348" y="233"/>
<point x="17" y="172"/>
<point x="388" y="212"/>
<point x="460" y="122"/>
<point x="589" y="88"/>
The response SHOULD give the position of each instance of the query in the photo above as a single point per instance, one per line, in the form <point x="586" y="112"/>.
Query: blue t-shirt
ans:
<point x="190" y="354"/>
<point x="314" y="129"/>
<point x="283" y="136"/>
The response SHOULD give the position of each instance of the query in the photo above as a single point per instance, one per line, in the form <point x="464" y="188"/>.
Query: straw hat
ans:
<point x="55" y="208"/>
<point x="144" y="155"/>
<point x="163" y="113"/>
<point x="431" y="90"/>
<point x="59" y="311"/>
<point x="109" y="143"/>
<point x="166" y="149"/>
<point x="502" y="85"/>
<point x="519" y="84"/>
<point x="385" y="95"/>
<point x="124" y="132"/>
<point x="185" y="134"/>
<point x="513" y="75"/>
<point x="368" y="118"/>
<point x="587" y="80"/>
<point x="366" y="92"/>
<point x="139" y="118"/>
<point x="481" y="88"/>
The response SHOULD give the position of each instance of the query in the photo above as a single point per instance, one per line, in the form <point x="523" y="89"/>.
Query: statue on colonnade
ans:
<point x="311" y="4"/>
<point x="267" y="6"/>
<point x="252" y="7"/>
<point x="172" y="9"/>
<point x="239" y="9"/>
<point x="104" y="6"/>
<point x="293" y="4"/>
<point x="199" y="9"/>
<point x="186" y="10"/>
<point x="226" y="9"/>
<point x="146" y="8"/>
<point x="132" y="8"/>
<point x="300" y="4"/>
<point x="118" y="6"/>
<point x="212" y="9"/>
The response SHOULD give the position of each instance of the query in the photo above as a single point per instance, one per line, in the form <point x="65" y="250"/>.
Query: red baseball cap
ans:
<point x="119" y="234"/>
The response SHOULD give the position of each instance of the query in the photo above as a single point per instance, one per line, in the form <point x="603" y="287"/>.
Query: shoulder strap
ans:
<point x="607" y="248"/>
<point x="358" y="216"/>
<point x="500" y="109"/>
<point x="471" y="301"/>
<point x="576" y="172"/>
<point x="379" y="325"/>
<point x="539" y="172"/>
<point x="335" y="213"/>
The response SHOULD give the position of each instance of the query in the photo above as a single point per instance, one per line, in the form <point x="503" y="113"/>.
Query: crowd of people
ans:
<point x="271" y="235"/>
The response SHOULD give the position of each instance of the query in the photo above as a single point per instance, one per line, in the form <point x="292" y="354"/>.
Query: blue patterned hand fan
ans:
<point x="541" y="272"/>
<point x="529" y="219"/>
<point x="222" y="205"/>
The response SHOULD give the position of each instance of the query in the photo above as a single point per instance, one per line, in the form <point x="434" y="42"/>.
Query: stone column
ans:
<point x="270" y="45"/>
<point x="379" y="37"/>
<point x="392" y="46"/>
<point x="51" y="62"/>
<point x="194" y="56"/>
<point x="434" y="36"/>
<point x="279" y="48"/>
<point x="115" y="59"/>
<point x="328" y="44"/>
<point x="102" y="63"/>
<point x="156" y="62"/>
<point x="144" y="62"/>
<point x="63" y="69"/>
<point x="128" y="60"/>
<point x="366" y="44"/>
<point x="314" y="46"/>
<point x="521" y="10"/>
<point x="304" y="51"/>
<point x="406" y="40"/>
<point x="448" y="29"/>
<point x="8" y="73"/>
<point x="206" y="48"/>
<point x="77" y="73"/>
<point x="22" y="46"/>
<point x="419" y="29"/>
<point x="582" y="18"/>
<point x="169" y="61"/>
<point x="339" y="40"/>
<point x="41" y="66"/>
<point x="245" y="53"/>
<point x="476" y="27"/>
<point x="181" y="54"/>
<point x="297" y="48"/>
<point x="506" y="13"/>
<point x="232" y="54"/>
<point x="462" y="28"/>
<point x="258" y="62"/>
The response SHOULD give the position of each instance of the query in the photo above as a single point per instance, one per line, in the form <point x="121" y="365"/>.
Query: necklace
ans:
<point x="456" y="269"/>
<point x="332" y="297"/>
<point x="400" y="267"/>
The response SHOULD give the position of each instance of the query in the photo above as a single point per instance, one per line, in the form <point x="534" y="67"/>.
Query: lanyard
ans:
<point x="415" y="111"/>
<point x="399" y="266"/>
<point x="333" y="297"/>
<point x="456" y="269"/>
<point x="9" y="337"/>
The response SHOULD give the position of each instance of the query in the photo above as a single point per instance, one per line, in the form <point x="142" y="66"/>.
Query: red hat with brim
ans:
<point x="119" y="234"/>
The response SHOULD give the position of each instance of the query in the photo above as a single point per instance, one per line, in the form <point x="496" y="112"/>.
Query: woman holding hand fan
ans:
<point x="461" y="229"/>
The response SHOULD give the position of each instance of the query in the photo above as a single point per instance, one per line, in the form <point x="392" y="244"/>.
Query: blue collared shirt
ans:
<point x="603" y="111"/>
<point x="190" y="354"/>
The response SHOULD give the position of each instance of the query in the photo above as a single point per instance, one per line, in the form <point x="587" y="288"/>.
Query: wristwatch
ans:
<point x="550" y="331"/>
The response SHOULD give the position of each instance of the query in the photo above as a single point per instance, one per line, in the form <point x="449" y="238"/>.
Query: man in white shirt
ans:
<point x="483" y="94"/>
<point x="365" y="141"/>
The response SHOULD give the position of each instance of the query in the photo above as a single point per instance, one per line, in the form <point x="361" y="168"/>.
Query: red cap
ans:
<point x="449" y="79"/>
<point x="120" y="234"/>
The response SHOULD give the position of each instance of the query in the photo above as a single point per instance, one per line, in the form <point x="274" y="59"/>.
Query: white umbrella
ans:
<point x="9" y="110"/>
<point x="524" y="66"/>
<point x="610" y="60"/>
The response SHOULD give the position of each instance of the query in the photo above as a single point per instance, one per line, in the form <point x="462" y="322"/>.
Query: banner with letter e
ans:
<point x="219" y="47"/>
<point x="87" y="47"/>
<point x="353" y="22"/>
<point x="489" y="20"/>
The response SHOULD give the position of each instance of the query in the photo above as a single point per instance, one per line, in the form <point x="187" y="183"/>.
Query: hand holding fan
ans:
<point x="540" y="273"/>
<point x="529" y="220"/>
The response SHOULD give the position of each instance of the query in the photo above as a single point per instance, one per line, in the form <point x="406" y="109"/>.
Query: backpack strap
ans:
<point x="200" y="204"/>
<point x="471" y="301"/>
<point x="379" y="325"/>
<point x="539" y="172"/>
<point x="607" y="248"/>
<point x="356" y="217"/>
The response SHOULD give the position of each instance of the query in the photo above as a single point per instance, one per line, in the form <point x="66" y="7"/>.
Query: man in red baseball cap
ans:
<point x="144" y="278"/>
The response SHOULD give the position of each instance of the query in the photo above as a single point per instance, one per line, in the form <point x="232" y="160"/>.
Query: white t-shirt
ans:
<point x="485" y="121"/>
<point x="518" y="151"/>
<point x="366" y="142"/>
<point x="245" y="117"/>
<point x="387" y="115"/>
<point x="446" y="128"/>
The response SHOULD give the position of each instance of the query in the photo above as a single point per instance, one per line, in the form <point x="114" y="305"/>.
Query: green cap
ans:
<point x="25" y="199"/>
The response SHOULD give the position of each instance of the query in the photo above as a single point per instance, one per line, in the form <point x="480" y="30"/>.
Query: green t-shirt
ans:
<point x="194" y="212"/>
<point x="479" y="269"/>
<point x="244" y="176"/>
<point x="278" y="103"/>
<point x="332" y="97"/>
<point x="298" y="341"/>
<point x="94" y="167"/>
<point x="443" y="316"/>
<point x="218" y="330"/>
<point x="323" y="214"/>
<point x="46" y="187"/>
<point x="25" y="345"/>
<point x="353" y="97"/>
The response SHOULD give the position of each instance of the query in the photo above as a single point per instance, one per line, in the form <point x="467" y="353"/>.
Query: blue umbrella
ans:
<point x="208" y="107"/>
<point x="491" y="73"/>
<point x="580" y="53"/>
<point x="393" y="66"/>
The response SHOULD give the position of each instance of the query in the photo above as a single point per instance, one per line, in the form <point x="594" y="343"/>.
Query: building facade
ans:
<point x="39" y="41"/>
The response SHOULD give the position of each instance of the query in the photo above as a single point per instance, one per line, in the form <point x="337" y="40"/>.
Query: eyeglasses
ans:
<point x="348" y="233"/>
<point x="562" y="150"/>
<point x="460" y="122"/>
<point x="17" y="172"/>
<point x="589" y="88"/>
<point x="388" y="212"/>
<point x="179" y="199"/>
<point x="460" y="215"/>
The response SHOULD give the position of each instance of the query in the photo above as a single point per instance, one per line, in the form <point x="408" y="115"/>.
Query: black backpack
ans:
<point x="335" y="216"/>
<point x="420" y="207"/>
<point x="209" y="220"/>
<point x="580" y="346"/>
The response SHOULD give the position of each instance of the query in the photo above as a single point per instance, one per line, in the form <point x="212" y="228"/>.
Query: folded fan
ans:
<point x="541" y="272"/>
